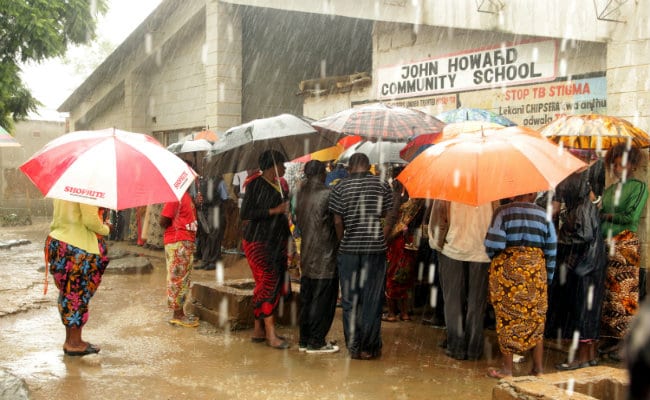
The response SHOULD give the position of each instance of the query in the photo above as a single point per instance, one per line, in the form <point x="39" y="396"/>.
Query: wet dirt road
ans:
<point x="143" y="357"/>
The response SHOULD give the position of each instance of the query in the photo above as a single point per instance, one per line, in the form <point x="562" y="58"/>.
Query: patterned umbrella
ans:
<point x="380" y="121"/>
<point x="473" y="114"/>
<point x="594" y="132"/>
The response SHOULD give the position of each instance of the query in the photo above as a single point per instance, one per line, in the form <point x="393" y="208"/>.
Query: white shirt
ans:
<point x="468" y="226"/>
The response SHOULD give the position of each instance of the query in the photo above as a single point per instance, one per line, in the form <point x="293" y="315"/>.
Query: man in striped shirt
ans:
<point x="359" y="203"/>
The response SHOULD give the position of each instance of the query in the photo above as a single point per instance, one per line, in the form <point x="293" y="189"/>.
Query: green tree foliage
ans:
<point x="34" y="30"/>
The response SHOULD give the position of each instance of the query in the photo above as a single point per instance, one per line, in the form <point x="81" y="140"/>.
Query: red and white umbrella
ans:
<point x="108" y="168"/>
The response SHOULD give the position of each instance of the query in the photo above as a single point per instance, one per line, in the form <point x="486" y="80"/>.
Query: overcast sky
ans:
<point x="52" y="82"/>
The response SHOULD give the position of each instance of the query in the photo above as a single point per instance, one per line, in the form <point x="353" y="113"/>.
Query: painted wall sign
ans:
<point x="433" y="105"/>
<point x="537" y="105"/>
<point x="498" y="66"/>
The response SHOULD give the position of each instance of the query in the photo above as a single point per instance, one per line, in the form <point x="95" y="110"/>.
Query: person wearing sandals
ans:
<point x="76" y="254"/>
<point x="522" y="245"/>
<point x="623" y="203"/>
<point x="319" y="281"/>
<point x="266" y="233"/>
<point x="457" y="232"/>
<point x="576" y="292"/>
<point x="402" y="253"/>
<point x="178" y="219"/>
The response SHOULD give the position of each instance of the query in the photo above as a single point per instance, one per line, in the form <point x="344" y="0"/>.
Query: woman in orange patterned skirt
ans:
<point x="623" y="204"/>
<point x="522" y="245"/>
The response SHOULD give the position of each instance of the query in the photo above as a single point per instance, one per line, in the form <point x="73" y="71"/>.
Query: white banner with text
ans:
<point x="495" y="67"/>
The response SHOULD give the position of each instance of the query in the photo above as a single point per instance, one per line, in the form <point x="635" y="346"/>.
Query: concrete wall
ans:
<point x="551" y="18"/>
<point x="150" y="46"/>
<point x="175" y="90"/>
<point x="223" y="75"/>
<point x="281" y="49"/>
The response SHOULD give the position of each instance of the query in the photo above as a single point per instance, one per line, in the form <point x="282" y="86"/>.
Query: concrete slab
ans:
<point x="603" y="383"/>
<point x="229" y="305"/>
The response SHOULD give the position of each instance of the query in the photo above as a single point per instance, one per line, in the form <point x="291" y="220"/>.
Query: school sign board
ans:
<point x="493" y="67"/>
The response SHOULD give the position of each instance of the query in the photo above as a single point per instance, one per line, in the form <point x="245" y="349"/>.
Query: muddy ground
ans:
<point x="143" y="356"/>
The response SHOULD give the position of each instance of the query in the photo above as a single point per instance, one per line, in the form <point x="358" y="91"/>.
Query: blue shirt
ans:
<point x="522" y="224"/>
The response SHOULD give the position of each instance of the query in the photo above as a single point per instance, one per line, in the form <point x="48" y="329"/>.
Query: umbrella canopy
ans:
<point x="380" y="121"/>
<point x="6" y="140"/>
<point x="594" y="132"/>
<point x="190" y="146"/>
<point x="108" y="168"/>
<point x="206" y="134"/>
<point x="330" y="153"/>
<point x="476" y="168"/>
<point x="377" y="152"/>
<point x="327" y="154"/>
<point x="473" y="114"/>
<point x="423" y="142"/>
<point x="242" y="145"/>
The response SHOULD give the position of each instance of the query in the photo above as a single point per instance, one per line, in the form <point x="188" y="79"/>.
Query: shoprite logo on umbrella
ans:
<point x="85" y="193"/>
<point x="181" y="180"/>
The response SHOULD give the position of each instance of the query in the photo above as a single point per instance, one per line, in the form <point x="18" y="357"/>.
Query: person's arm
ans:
<point x="252" y="209"/>
<point x="495" y="239"/>
<point x="167" y="214"/>
<point x="165" y="222"/>
<point x="550" y="251"/>
<point x="91" y="220"/>
<point x="633" y="198"/>
<point x="390" y="211"/>
<point x="338" y="226"/>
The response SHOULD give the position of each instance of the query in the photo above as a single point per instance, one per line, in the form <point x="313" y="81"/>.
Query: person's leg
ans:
<point x="452" y="279"/>
<point x="325" y="292"/>
<point x="272" y="338"/>
<point x="307" y="300"/>
<point x="179" y="258"/>
<point x="476" y="303"/>
<point x="404" y="309"/>
<point x="391" y="316"/>
<point x="538" y="359"/>
<point x="372" y="284"/>
<point x="348" y="267"/>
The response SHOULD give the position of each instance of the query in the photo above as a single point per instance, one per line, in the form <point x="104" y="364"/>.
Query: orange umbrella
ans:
<point x="327" y="154"/>
<point x="422" y="142"/>
<point x="594" y="132"/>
<point x="206" y="134"/>
<point x="476" y="168"/>
<point x="330" y="153"/>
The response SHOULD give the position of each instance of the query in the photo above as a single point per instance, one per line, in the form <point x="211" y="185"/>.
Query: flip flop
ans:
<point x="90" y="349"/>
<point x="282" y="346"/>
<point x="497" y="374"/>
<point x="258" y="339"/>
<point x="185" y="322"/>
<point x="571" y="367"/>
<point x="386" y="318"/>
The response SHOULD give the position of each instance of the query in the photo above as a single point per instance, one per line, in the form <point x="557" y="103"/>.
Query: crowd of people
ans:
<point x="572" y="273"/>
